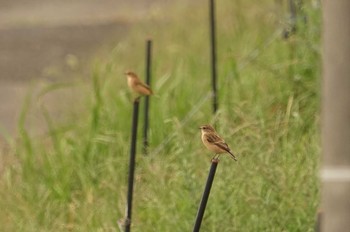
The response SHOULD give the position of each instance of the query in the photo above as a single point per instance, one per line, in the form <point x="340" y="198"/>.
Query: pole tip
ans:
<point x="137" y="99"/>
<point x="123" y="222"/>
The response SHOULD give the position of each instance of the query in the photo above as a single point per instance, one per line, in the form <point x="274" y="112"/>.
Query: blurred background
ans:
<point x="65" y="114"/>
<point x="56" y="41"/>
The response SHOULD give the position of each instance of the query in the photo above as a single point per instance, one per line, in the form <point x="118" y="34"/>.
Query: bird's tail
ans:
<point x="232" y="155"/>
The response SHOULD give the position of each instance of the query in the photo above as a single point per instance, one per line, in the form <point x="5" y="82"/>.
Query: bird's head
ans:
<point x="130" y="74"/>
<point x="207" y="128"/>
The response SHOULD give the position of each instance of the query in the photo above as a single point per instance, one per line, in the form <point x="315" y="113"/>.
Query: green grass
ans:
<point x="74" y="179"/>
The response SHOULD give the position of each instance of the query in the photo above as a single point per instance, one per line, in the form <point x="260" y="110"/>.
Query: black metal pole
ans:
<point x="132" y="165"/>
<point x="213" y="54"/>
<point x="292" y="27"/>
<point x="148" y="82"/>
<point x="293" y="15"/>
<point x="205" y="196"/>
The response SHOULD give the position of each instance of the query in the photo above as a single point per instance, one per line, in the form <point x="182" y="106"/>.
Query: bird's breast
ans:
<point x="131" y="82"/>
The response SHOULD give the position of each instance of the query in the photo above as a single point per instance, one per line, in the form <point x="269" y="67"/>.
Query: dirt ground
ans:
<point x="46" y="41"/>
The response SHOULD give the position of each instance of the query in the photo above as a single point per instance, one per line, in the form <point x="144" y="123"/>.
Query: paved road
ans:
<point x="44" y="41"/>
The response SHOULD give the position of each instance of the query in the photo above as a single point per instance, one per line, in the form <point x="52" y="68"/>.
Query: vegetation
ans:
<point x="74" y="179"/>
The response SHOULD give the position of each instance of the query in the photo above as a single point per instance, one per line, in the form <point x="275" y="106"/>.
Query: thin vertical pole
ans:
<point x="213" y="54"/>
<point x="132" y="165"/>
<point x="148" y="82"/>
<point x="288" y="32"/>
<point x="293" y="15"/>
<point x="295" y="7"/>
<point x="203" y="204"/>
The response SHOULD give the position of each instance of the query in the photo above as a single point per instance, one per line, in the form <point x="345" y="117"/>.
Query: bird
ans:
<point x="214" y="142"/>
<point x="137" y="86"/>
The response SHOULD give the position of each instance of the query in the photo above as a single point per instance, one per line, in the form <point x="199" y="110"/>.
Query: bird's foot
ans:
<point x="137" y="99"/>
<point x="215" y="159"/>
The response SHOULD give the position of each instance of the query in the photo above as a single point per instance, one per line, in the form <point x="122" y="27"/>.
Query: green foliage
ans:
<point x="75" y="179"/>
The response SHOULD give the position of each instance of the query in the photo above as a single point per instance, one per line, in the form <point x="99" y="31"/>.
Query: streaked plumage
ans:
<point x="213" y="141"/>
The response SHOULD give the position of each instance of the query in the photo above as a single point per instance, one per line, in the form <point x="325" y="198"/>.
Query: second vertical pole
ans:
<point x="148" y="81"/>
<point x="213" y="54"/>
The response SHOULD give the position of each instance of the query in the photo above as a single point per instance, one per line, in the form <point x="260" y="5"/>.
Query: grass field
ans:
<point x="74" y="179"/>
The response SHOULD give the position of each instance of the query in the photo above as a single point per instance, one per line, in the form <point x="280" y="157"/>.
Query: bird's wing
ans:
<point x="223" y="146"/>
<point x="213" y="138"/>
<point x="139" y="83"/>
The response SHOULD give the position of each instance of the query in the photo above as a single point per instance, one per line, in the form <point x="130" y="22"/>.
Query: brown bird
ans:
<point x="137" y="86"/>
<point x="214" y="143"/>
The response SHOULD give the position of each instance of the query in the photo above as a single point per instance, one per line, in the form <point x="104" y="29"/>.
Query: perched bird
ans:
<point x="214" y="143"/>
<point x="137" y="86"/>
